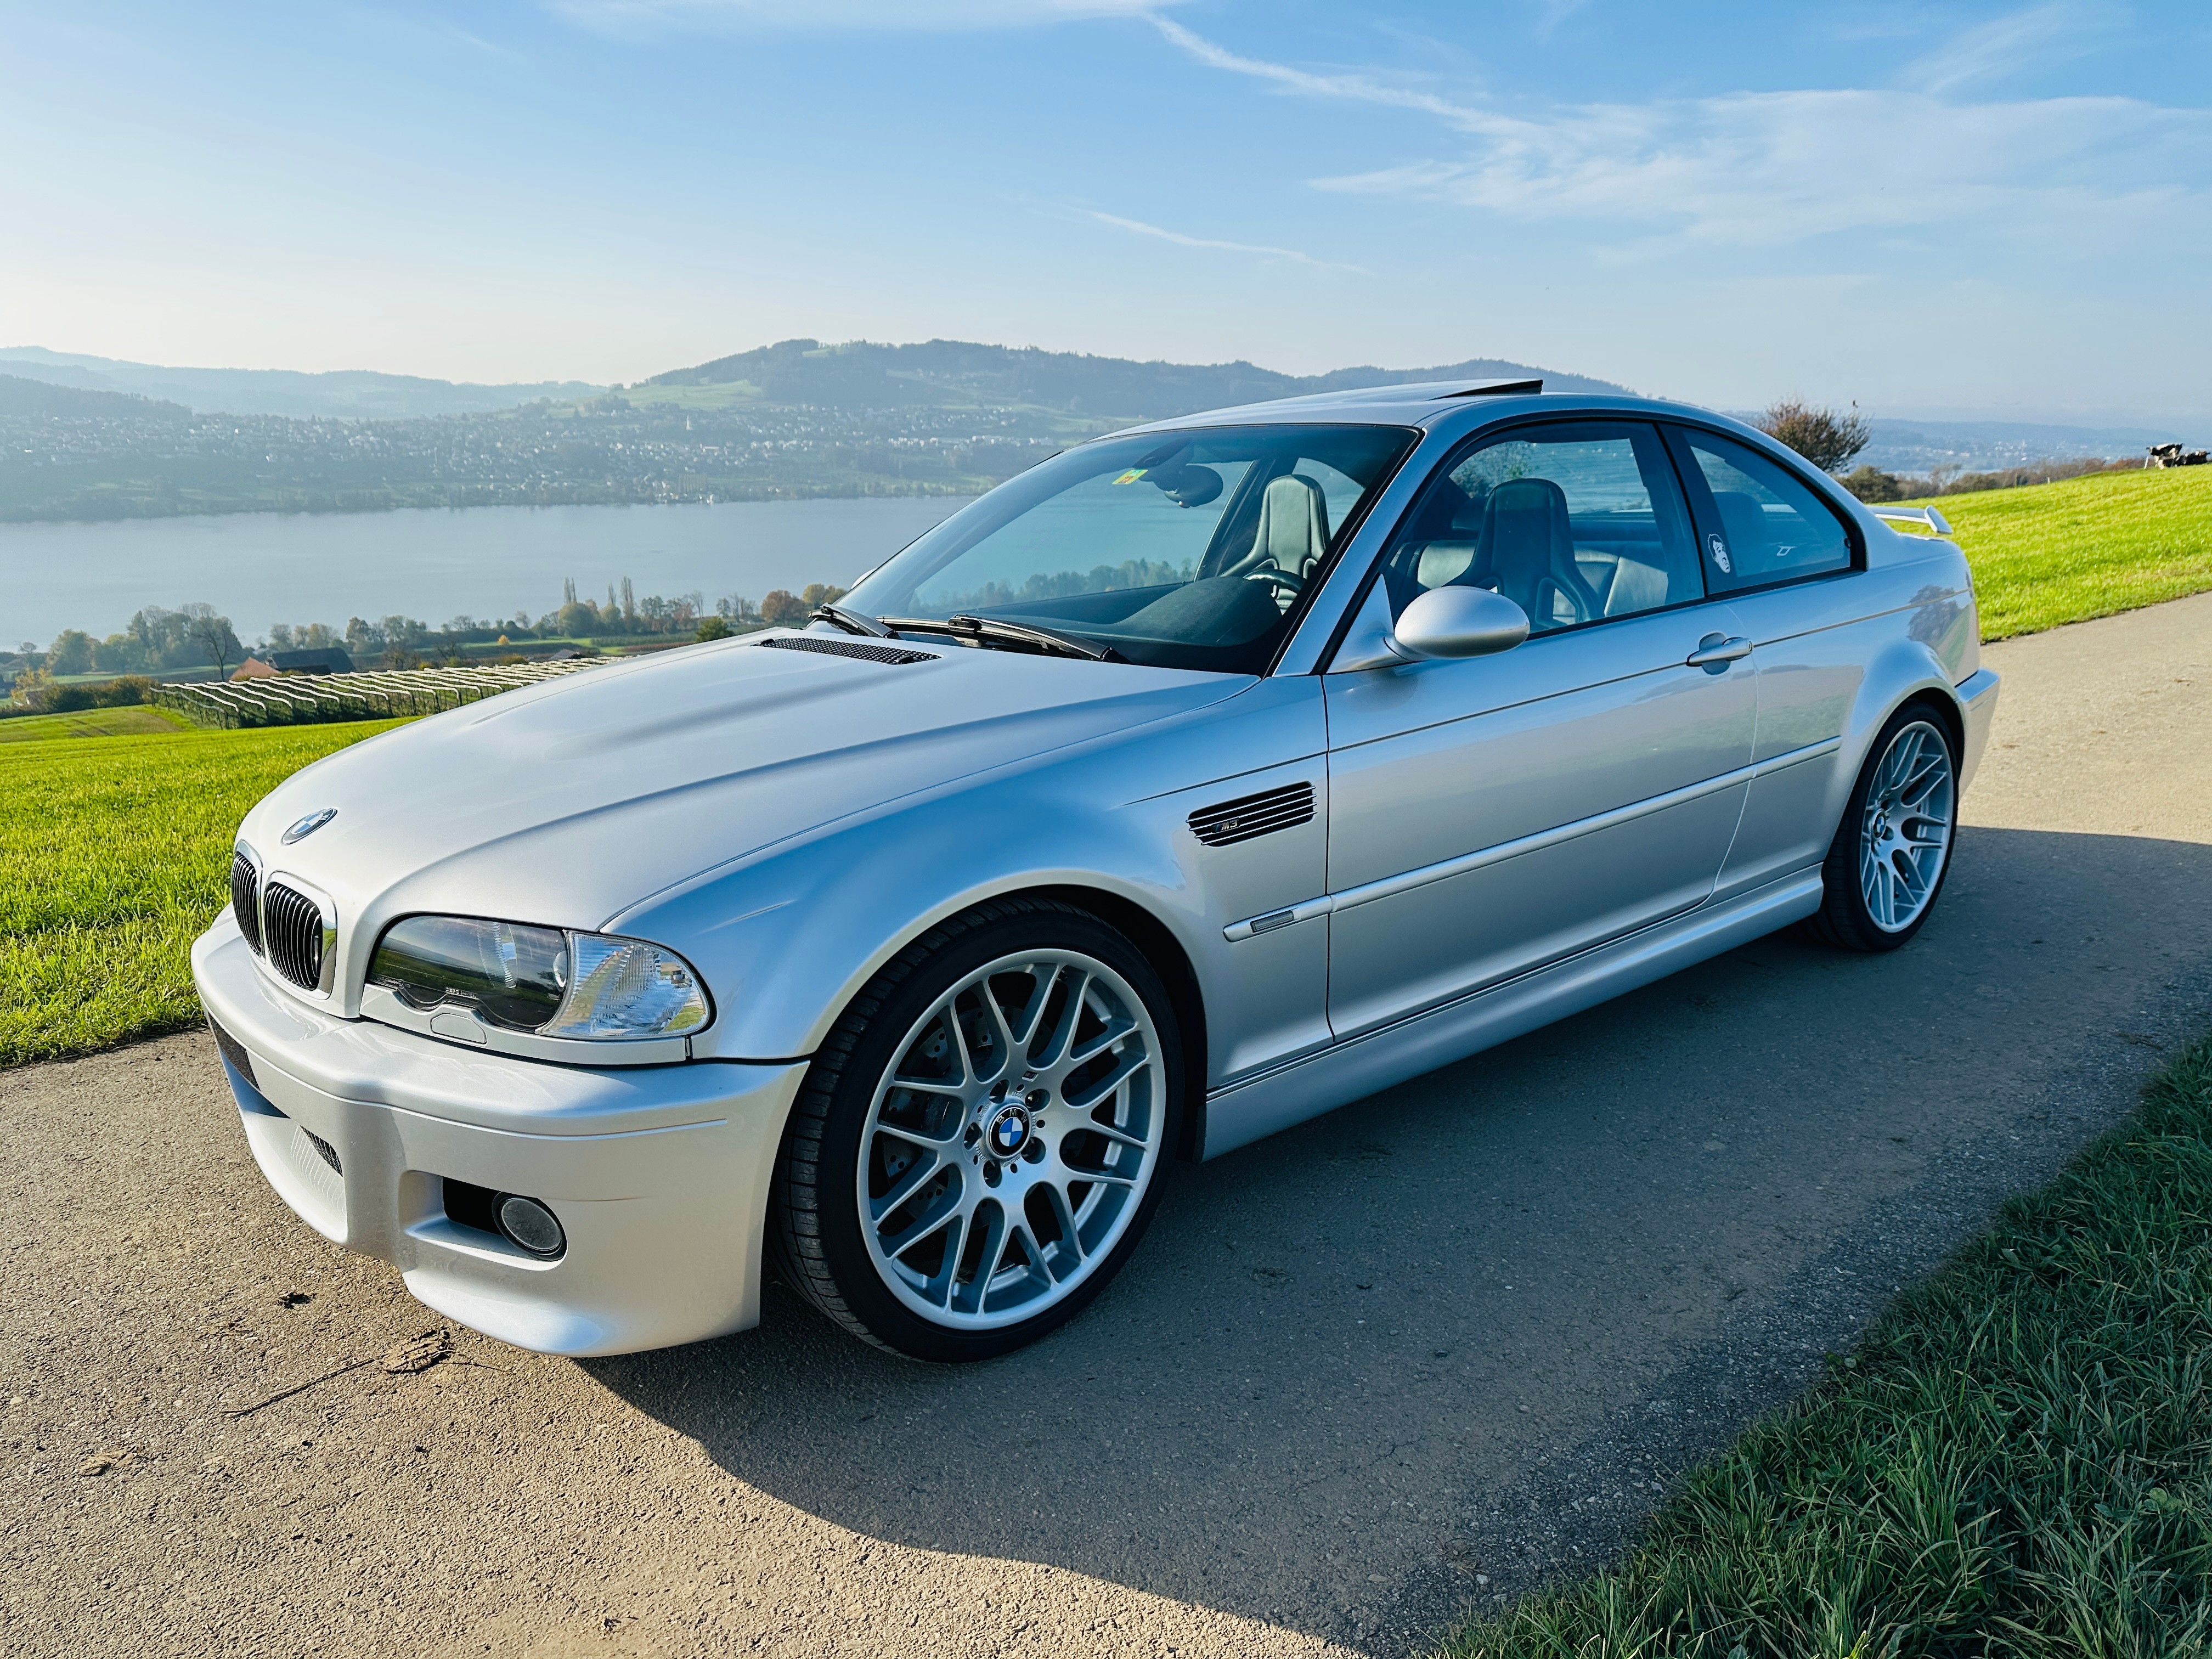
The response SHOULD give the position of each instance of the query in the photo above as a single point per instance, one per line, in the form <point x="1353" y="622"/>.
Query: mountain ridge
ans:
<point x="869" y="374"/>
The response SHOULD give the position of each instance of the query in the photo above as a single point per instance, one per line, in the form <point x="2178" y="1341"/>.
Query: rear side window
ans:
<point x="1757" y="523"/>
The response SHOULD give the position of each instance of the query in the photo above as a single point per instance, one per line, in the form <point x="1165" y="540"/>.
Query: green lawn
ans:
<point x="2047" y="554"/>
<point x="90" y="723"/>
<point x="2017" y="1462"/>
<point x="113" y="856"/>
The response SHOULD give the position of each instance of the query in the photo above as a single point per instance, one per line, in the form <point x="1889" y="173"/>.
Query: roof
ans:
<point x="1392" y="406"/>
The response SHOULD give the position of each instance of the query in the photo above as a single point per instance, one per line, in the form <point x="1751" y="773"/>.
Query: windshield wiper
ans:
<point x="853" y="621"/>
<point x="980" y="628"/>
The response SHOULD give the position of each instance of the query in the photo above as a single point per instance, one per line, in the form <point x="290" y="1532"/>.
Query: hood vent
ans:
<point x="1248" y="816"/>
<point x="889" y="655"/>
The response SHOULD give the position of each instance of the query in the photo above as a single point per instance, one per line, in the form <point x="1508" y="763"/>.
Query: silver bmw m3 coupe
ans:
<point x="1200" y="780"/>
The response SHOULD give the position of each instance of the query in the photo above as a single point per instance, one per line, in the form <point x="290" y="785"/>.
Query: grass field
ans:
<point x="90" y="723"/>
<point x="2047" y="554"/>
<point x="2017" y="1462"/>
<point x="113" y="856"/>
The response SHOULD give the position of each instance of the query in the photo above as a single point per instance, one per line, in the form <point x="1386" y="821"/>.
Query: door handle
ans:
<point x="1716" y="651"/>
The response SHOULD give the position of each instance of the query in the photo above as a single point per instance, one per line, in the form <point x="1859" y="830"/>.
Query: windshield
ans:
<point x="1191" y="550"/>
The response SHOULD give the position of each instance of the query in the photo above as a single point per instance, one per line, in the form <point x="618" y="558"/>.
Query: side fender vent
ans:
<point x="1248" y="816"/>
<point x="889" y="655"/>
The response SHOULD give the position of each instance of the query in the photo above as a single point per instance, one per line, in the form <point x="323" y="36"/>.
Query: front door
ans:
<point x="1487" y="817"/>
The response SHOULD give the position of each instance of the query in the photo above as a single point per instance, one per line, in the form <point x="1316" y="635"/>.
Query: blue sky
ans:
<point x="1928" y="208"/>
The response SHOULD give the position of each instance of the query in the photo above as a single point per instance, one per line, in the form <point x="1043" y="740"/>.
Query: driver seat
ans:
<point x="1528" y="553"/>
<point x="1293" y="530"/>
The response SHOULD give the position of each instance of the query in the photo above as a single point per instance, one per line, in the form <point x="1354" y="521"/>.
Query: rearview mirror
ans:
<point x="1460" y="621"/>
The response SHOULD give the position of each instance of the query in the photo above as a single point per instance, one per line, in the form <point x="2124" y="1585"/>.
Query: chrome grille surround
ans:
<point x="299" y="932"/>
<point x="245" y="896"/>
<point x="1248" y="816"/>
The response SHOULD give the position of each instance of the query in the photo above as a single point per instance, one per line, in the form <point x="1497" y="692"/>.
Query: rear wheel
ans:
<point x="1886" y="867"/>
<point x="977" y="1147"/>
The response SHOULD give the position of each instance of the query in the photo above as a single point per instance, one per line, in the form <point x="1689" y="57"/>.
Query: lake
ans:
<point x="258" y="568"/>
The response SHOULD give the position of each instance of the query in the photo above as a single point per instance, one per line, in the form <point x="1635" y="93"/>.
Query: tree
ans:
<point x="714" y="627"/>
<point x="816" y="593"/>
<point x="212" y="634"/>
<point x="782" y="607"/>
<point x="1871" y="484"/>
<point x="72" y="653"/>
<point x="1822" y="436"/>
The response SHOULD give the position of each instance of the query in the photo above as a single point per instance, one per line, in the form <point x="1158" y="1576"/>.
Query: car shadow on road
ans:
<point x="1337" y="1349"/>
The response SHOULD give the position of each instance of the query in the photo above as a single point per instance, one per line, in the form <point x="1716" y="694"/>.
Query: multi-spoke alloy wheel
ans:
<point x="982" y="1154"/>
<point x="1008" y="1143"/>
<point x="1904" y="828"/>
<point x="1893" y="847"/>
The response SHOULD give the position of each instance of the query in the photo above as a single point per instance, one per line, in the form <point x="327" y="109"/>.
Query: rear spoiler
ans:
<point x="1926" y="518"/>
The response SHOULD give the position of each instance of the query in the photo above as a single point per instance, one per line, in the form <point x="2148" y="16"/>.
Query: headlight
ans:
<point x="540" y="980"/>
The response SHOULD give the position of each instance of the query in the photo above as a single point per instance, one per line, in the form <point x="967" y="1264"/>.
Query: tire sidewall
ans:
<point x="1842" y="874"/>
<point x="843" y="1246"/>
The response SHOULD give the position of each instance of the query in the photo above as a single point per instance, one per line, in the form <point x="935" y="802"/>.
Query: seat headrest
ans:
<point x="1293" y="531"/>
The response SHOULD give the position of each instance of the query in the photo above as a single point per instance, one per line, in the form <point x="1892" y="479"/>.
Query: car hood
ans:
<point x="567" y="802"/>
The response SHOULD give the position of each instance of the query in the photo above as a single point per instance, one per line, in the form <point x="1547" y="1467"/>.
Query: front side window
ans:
<point x="1760" y="525"/>
<point x="1190" y="549"/>
<point x="1575" y="522"/>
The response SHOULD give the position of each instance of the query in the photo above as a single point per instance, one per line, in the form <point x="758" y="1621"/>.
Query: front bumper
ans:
<point x="659" y="1175"/>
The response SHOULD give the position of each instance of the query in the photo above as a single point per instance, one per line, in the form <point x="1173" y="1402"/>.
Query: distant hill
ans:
<point x="21" y="396"/>
<point x="1915" y="447"/>
<point x="866" y="375"/>
<point x="353" y="394"/>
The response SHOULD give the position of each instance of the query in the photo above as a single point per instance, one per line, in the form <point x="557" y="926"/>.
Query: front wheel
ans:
<point x="976" y="1149"/>
<point x="1886" y="864"/>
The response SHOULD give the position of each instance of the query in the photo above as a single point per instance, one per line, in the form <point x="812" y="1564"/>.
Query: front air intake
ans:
<point x="1248" y="816"/>
<point x="292" y="930"/>
<point x="889" y="655"/>
<point x="246" y="899"/>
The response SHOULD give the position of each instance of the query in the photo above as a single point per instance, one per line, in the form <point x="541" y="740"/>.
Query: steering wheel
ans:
<point x="1286" y="580"/>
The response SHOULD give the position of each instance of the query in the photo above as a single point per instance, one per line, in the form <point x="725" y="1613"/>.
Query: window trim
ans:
<point x="1704" y="512"/>
<point x="1482" y="440"/>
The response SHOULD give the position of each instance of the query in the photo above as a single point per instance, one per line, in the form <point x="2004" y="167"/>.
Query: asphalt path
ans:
<point x="1402" y="1361"/>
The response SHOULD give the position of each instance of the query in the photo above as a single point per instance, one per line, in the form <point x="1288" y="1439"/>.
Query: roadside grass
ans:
<point x="90" y="723"/>
<point x="2048" y="553"/>
<point x="113" y="856"/>
<point x="2017" y="1461"/>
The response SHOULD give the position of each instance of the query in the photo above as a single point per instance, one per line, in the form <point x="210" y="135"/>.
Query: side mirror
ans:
<point x="1460" y="621"/>
<point x="1444" y="622"/>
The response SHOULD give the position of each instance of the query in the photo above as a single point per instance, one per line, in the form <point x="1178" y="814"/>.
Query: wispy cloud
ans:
<point x="1139" y="227"/>
<point x="1356" y="88"/>
<point x="2004" y="45"/>
<point x="654" y="16"/>
<point x="1773" y="168"/>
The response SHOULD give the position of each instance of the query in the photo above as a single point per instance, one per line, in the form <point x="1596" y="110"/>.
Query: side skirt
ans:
<point x="1256" y="1106"/>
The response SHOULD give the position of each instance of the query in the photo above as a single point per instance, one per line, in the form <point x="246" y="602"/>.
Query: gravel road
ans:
<point x="1404" y="1360"/>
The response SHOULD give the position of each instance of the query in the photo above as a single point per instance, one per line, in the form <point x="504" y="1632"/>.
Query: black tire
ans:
<point x="1844" y="920"/>
<point x="814" y="1212"/>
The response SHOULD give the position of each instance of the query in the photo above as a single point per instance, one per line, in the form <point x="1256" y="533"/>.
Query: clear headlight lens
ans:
<point x="626" y="987"/>
<point x="540" y="980"/>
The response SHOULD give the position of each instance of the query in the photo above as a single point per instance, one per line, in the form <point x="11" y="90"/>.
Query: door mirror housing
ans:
<point x="1442" y="623"/>
<point x="1460" y="621"/>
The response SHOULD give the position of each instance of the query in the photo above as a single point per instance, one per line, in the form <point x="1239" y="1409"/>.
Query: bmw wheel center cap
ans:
<point x="1009" y="1132"/>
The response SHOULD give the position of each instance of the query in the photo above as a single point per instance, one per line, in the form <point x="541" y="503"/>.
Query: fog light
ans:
<point x="527" y="1223"/>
